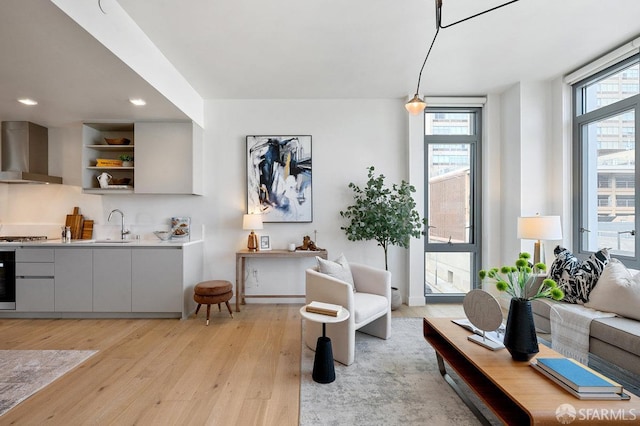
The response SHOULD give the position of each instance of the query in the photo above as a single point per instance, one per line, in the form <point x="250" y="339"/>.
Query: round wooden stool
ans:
<point x="213" y="292"/>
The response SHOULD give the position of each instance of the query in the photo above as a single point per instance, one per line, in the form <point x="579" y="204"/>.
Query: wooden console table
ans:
<point x="242" y="255"/>
<point x="513" y="390"/>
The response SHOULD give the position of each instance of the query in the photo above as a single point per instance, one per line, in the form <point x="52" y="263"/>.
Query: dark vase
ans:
<point x="520" y="334"/>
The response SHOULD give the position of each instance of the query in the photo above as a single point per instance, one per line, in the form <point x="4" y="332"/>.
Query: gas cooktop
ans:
<point x="21" y="238"/>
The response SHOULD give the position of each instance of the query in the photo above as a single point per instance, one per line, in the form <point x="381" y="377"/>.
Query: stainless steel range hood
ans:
<point x="25" y="153"/>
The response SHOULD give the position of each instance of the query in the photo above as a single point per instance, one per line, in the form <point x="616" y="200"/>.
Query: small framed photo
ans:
<point x="265" y="242"/>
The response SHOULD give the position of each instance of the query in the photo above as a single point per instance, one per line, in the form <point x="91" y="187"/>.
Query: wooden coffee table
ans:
<point x="513" y="390"/>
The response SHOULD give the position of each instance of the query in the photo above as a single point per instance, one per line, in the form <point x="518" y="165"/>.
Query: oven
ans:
<point x="7" y="279"/>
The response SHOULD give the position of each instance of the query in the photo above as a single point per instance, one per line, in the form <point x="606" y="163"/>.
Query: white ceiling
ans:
<point x="245" y="49"/>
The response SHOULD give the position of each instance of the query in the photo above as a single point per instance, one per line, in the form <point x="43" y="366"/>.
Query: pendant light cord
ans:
<point x="425" y="58"/>
<point x="439" y="25"/>
<point x="472" y="16"/>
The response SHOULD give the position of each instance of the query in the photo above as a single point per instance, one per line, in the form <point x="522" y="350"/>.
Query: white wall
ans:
<point x="347" y="137"/>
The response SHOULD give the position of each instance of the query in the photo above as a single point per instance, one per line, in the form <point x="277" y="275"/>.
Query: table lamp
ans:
<point x="539" y="228"/>
<point x="252" y="222"/>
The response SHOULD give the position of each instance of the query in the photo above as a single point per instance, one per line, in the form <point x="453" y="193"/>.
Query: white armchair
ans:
<point x="369" y="308"/>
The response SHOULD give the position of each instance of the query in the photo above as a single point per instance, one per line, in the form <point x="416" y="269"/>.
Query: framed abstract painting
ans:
<point x="279" y="181"/>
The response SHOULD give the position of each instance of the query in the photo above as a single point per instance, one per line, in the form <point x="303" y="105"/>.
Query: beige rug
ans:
<point x="391" y="382"/>
<point x="23" y="373"/>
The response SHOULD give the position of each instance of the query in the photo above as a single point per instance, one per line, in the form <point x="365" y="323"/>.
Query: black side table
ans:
<point x="323" y="368"/>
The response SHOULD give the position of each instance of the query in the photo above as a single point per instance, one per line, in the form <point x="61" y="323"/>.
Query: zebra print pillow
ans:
<point x="576" y="277"/>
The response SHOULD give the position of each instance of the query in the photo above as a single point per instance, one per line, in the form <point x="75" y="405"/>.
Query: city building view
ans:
<point x="611" y="182"/>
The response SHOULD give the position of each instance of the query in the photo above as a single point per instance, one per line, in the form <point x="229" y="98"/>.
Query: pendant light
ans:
<point x="417" y="105"/>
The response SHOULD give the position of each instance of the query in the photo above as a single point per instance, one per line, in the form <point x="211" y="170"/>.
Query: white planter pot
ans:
<point x="396" y="298"/>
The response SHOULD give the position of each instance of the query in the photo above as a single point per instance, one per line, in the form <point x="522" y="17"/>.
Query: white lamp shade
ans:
<point x="251" y="222"/>
<point x="539" y="228"/>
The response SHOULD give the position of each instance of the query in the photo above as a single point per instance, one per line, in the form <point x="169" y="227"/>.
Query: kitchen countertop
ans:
<point x="103" y="243"/>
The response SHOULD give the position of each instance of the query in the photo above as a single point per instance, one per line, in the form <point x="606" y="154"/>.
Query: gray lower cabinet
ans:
<point x="112" y="280"/>
<point x="157" y="280"/>
<point x="118" y="280"/>
<point x="34" y="295"/>
<point x="34" y="280"/>
<point x="73" y="280"/>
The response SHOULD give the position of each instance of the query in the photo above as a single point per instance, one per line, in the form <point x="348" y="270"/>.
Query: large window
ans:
<point x="452" y="188"/>
<point x="607" y="113"/>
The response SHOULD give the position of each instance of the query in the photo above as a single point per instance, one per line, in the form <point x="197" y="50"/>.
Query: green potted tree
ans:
<point x="386" y="215"/>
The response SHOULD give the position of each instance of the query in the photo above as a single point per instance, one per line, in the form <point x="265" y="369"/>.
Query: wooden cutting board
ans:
<point x="87" y="229"/>
<point x="74" y="221"/>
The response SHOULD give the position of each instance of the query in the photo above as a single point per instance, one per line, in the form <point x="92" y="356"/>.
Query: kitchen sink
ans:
<point x="114" y="241"/>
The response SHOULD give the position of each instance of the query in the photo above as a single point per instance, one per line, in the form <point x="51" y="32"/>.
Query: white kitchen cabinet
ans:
<point x="34" y="280"/>
<point x="168" y="158"/>
<point x="111" y="280"/>
<point x="157" y="280"/>
<point x="73" y="280"/>
<point x="95" y="147"/>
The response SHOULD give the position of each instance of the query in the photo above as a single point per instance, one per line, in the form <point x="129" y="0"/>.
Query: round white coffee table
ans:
<point x="323" y="369"/>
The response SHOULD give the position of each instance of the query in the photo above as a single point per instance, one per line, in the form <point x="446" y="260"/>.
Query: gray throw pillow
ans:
<point x="338" y="269"/>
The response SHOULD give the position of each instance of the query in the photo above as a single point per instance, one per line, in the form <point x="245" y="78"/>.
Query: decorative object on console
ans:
<point x="265" y="242"/>
<point x="520" y="335"/>
<point x="575" y="277"/>
<point x="252" y="222"/>
<point x="386" y="215"/>
<point x="416" y="105"/>
<point x="539" y="228"/>
<point x="308" y="244"/>
<point x="279" y="178"/>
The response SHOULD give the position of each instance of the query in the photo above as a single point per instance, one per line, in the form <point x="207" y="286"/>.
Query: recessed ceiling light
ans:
<point x="137" y="101"/>
<point x="27" y="101"/>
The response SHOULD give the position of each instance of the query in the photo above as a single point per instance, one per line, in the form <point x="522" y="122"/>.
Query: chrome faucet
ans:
<point x="123" y="232"/>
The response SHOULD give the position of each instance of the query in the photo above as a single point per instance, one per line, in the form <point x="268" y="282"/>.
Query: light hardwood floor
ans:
<point x="241" y="371"/>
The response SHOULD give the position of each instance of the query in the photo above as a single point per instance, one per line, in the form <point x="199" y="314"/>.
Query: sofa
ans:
<point x="613" y="289"/>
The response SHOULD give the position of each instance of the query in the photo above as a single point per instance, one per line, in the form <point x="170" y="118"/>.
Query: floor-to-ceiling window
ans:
<point x="607" y="114"/>
<point x="452" y="201"/>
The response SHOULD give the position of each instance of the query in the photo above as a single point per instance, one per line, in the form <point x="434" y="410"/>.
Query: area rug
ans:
<point x="23" y="373"/>
<point x="391" y="382"/>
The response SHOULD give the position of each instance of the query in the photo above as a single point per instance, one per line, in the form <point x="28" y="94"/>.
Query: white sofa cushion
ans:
<point x="617" y="291"/>
<point x="368" y="305"/>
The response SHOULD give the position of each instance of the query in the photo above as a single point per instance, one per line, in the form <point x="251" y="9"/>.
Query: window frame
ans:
<point x="580" y="121"/>
<point x="474" y="246"/>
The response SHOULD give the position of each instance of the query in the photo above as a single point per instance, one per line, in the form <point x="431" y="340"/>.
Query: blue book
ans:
<point x="577" y="376"/>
